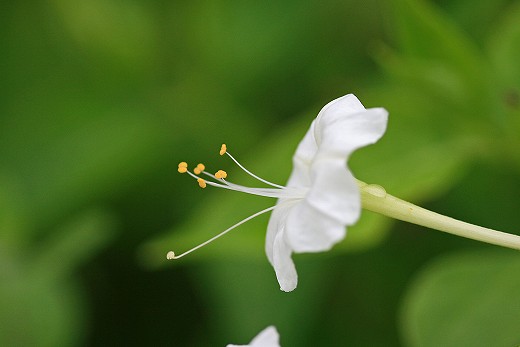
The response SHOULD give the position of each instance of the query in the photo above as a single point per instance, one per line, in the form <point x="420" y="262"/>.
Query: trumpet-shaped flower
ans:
<point x="321" y="197"/>
<point x="330" y="198"/>
<point x="266" y="338"/>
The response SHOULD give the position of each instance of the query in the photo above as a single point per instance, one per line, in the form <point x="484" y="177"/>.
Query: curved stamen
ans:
<point x="171" y="254"/>
<point x="252" y="174"/>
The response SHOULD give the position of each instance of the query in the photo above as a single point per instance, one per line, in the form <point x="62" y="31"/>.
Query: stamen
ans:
<point x="223" y="149"/>
<point x="250" y="173"/>
<point x="267" y="192"/>
<point x="202" y="182"/>
<point x="200" y="167"/>
<point x="220" y="174"/>
<point x="171" y="254"/>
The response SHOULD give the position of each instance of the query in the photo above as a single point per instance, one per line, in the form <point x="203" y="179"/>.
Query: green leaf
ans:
<point x="69" y="247"/>
<point x="425" y="33"/>
<point x="76" y="159"/>
<point x="120" y="30"/>
<point x="248" y="292"/>
<point x="39" y="303"/>
<point x="504" y="49"/>
<point x="465" y="300"/>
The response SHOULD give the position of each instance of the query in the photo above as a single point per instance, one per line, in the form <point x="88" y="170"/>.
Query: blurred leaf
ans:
<point x="121" y="30"/>
<point x="475" y="17"/>
<point x="66" y="161"/>
<point x="465" y="300"/>
<point x="245" y="297"/>
<point x="39" y="304"/>
<point x="435" y="60"/>
<point x="66" y="249"/>
<point x="13" y="226"/>
<point x="36" y="312"/>
<point x="504" y="51"/>
<point x="427" y="34"/>
<point x="504" y="48"/>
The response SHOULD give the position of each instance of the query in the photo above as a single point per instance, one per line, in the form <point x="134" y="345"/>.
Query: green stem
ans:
<point x="375" y="198"/>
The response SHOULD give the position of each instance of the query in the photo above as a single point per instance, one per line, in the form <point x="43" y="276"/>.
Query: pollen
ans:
<point x="202" y="183"/>
<point x="220" y="174"/>
<point x="183" y="167"/>
<point x="223" y="149"/>
<point x="199" y="169"/>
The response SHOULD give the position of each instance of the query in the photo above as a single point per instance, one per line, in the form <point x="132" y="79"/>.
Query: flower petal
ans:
<point x="341" y="127"/>
<point x="275" y="225"/>
<point x="334" y="191"/>
<point x="283" y="264"/>
<point x="309" y="230"/>
<point x="308" y="147"/>
<point x="276" y="248"/>
<point x="340" y="130"/>
<point x="266" y="338"/>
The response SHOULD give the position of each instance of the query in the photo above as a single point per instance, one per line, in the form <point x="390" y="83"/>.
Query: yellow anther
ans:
<point x="202" y="183"/>
<point x="223" y="149"/>
<point x="199" y="169"/>
<point x="220" y="174"/>
<point x="182" y="167"/>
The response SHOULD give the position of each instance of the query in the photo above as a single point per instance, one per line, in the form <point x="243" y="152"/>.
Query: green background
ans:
<point x="100" y="100"/>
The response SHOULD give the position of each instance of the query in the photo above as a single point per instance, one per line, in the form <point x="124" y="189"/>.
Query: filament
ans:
<point x="171" y="255"/>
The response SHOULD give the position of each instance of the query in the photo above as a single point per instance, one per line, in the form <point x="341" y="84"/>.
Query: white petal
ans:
<point x="266" y="338"/>
<point x="283" y="264"/>
<point x="309" y="230"/>
<point x="340" y="134"/>
<point x="308" y="147"/>
<point x="334" y="191"/>
<point x="276" y="248"/>
<point x="275" y="225"/>
<point x="341" y="127"/>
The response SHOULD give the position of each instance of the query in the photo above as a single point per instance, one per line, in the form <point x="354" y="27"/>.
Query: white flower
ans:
<point x="321" y="197"/>
<point x="266" y="338"/>
<point x="329" y="197"/>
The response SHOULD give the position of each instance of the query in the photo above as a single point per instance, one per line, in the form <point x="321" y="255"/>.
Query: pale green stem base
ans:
<point x="375" y="198"/>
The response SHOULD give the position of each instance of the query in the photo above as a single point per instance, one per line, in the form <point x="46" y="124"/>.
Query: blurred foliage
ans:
<point x="100" y="100"/>
<point x="456" y="295"/>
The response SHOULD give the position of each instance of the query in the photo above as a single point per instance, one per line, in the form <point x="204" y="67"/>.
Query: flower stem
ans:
<point x="375" y="198"/>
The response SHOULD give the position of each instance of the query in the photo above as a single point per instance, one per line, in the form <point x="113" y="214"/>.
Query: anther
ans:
<point x="182" y="167"/>
<point x="223" y="149"/>
<point x="202" y="183"/>
<point x="170" y="255"/>
<point x="199" y="169"/>
<point x="220" y="174"/>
